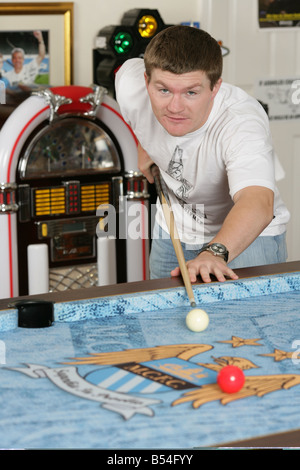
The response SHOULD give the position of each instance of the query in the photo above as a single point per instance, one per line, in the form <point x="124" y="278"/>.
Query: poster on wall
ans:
<point x="282" y="97"/>
<point x="278" y="13"/>
<point x="24" y="62"/>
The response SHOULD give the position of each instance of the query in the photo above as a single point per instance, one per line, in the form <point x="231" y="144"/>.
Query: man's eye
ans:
<point x="164" y="90"/>
<point x="191" y="93"/>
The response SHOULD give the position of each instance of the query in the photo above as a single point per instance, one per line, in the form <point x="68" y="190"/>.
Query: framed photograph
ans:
<point x="36" y="45"/>
<point x="279" y="14"/>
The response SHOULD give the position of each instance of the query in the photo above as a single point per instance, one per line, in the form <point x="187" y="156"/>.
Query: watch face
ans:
<point x="218" y="248"/>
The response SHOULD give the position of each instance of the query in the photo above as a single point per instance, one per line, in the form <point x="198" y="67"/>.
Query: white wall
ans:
<point x="92" y="15"/>
<point x="254" y="54"/>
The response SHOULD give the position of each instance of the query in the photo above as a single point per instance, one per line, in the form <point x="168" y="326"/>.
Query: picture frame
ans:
<point x="57" y="20"/>
<point x="278" y="15"/>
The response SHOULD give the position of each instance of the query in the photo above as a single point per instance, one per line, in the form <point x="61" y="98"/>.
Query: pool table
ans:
<point x="118" y="368"/>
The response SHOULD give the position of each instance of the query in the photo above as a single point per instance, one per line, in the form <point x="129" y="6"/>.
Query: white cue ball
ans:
<point x="197" y="320"/>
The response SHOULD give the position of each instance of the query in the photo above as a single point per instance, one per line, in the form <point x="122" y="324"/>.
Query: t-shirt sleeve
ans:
<point x="129" y="85"/>
<point x="249" y="155"/>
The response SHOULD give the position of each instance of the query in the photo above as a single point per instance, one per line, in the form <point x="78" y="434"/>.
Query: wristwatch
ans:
<point x="216" y="249"/>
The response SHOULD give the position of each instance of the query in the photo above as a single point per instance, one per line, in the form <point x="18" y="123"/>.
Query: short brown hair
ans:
<point x="182" y="49"/>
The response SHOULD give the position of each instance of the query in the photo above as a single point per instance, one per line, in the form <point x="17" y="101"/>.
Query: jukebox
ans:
<point x="67" y="159"/>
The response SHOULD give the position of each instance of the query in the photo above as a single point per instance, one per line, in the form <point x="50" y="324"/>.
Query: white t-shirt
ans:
<point x="204" y="169"/>
<point x="26" y="76"/>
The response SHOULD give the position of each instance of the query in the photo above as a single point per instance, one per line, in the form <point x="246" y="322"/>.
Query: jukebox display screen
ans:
<point x="72" y="146"/>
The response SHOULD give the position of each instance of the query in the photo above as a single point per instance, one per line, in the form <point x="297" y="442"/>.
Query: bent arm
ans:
<point x="251" y="214"/>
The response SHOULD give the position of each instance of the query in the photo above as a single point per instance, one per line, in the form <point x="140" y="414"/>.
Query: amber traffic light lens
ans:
<point x="147" y="26"/>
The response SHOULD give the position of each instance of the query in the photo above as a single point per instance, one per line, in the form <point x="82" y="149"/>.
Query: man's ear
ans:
<point x="216" y="88"/>
<point x="147" y="80"/>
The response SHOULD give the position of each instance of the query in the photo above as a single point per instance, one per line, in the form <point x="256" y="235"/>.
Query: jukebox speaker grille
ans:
<point x="74" y="277"/>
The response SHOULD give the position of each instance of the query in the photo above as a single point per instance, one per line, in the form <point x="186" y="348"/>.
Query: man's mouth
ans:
<point x="177" y="119"/>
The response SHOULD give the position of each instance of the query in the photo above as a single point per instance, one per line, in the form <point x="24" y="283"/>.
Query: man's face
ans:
<point x="181" y="103"/>
<point x="17" y="60"/>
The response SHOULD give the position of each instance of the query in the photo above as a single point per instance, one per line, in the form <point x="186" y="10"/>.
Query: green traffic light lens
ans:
<point x="147" y="26"/>
<point x="123" y="42"/>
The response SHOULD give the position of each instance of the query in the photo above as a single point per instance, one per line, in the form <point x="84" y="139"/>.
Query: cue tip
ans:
<point x="193" y="304"/>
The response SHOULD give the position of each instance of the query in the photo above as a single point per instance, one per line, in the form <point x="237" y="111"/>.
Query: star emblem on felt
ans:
<point x="236" y="341"/>
<point x="280" y="355"/>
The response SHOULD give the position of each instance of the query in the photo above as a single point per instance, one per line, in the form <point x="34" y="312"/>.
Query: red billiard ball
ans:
<point x="231" y="379"/>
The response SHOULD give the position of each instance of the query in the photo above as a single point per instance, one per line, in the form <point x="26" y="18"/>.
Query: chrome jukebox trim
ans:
<point x="8" y="198"/>
<point x="94" y="99"/>
<point x="136" y="185"/>
<point x="54" y="101"/>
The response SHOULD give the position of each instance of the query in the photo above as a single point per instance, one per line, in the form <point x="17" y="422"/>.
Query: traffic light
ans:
<point x="116" y="44"/>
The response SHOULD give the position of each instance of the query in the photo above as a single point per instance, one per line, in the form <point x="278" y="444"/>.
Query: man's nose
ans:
<point x="175" y="104"/>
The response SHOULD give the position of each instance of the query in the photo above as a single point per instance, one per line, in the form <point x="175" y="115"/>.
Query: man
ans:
<point x="23" y="75"/>
<point x="213" y="146"/>
<point x="3" y="82"/>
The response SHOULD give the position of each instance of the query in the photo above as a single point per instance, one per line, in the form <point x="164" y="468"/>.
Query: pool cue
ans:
<point x="169" y="217"/>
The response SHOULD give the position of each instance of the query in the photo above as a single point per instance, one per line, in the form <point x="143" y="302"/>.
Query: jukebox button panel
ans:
<point x="71" y="198"/>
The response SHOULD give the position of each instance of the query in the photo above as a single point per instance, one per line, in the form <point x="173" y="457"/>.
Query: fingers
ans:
<point x="206" y="269"/>
<point x="220" y="274"/>
<point x="175" y="272"/>
<point x="37" y="34"/>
